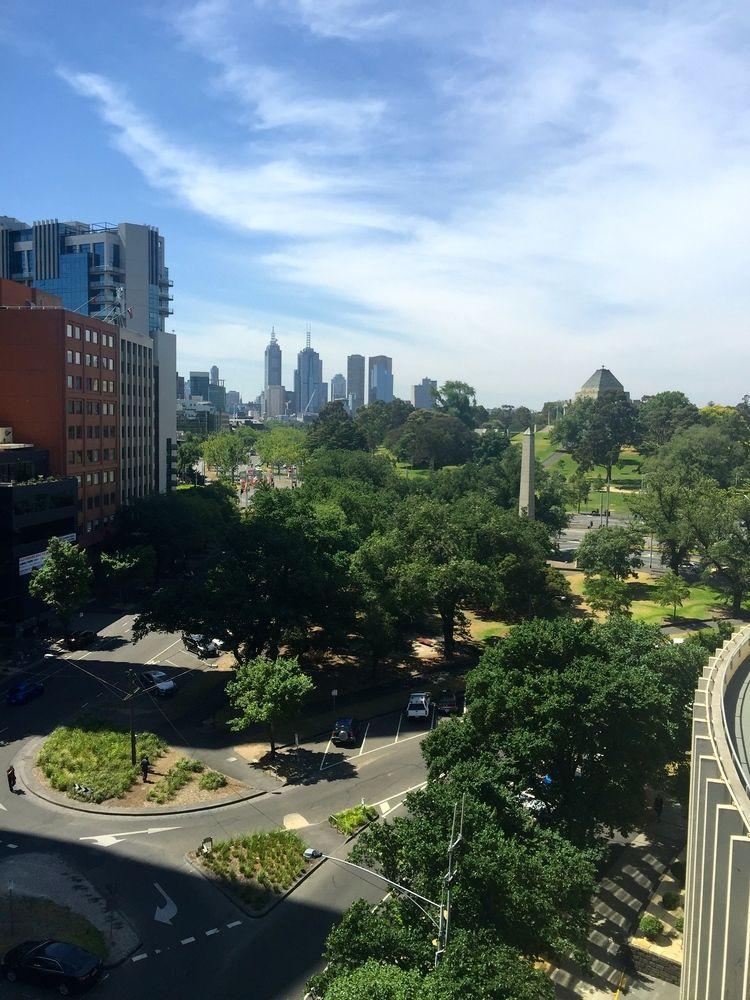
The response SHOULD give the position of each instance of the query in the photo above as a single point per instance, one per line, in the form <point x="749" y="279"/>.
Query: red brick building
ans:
<point x="60" y="388"/>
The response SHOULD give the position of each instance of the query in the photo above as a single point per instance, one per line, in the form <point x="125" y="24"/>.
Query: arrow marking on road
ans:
<point x="4" y="808"/>
<point x="109" y="839"/>
<point x="164" y="914"/>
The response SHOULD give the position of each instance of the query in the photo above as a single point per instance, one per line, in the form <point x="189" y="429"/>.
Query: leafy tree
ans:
<point x="377" y="419"/>
<point x="377" y="982"/>
<point x="267" y="691"/>
<point x="335" y="429"/>
<point x="595" y="430"/>
<point x="431" y="439"/>
<point x="662" y="505"/>
<point x="225" y="452"/>
<point x="580" y="486"/>
<point x="188" y="453"/>
<point x="671" y="591"/>
<point x="546" y="697"/>
<point x="661" y="416"/>
<point x="136" y="565"/>
<point x="459" y="400"/>
<point x="282" y="445"/>
<point x="477" y="967"/>
<point x="64" y="580"/>
<point x="702" y="451"/>
<point x="616" y="551"/>
<point x="607" y="592"/>
<point x="490" y="447"/>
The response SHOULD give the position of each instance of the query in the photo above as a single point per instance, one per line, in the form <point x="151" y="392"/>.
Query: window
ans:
<point x="88" y="479"/>
<point x="79" y="480"/>
<point x="71" y="433"/>
<point x="69" y="330"/>
<point x="89" y="503"/>
<point x="69" y="357"/>
<point x="88" y="336"/>
<point x="95" y="478"/>
<point x="78" y="357"/>
<point x="96" y="384"/>
<point x="77" y="332"/>
<point x="97" y="500"/>
<point x="78" y="382"/>
<point x="94" y="336"/>
<point x="69" y="381"/>
<point x="89" y="527"/>
<point x="71" y="457"/>
<point x="71" y="406"/>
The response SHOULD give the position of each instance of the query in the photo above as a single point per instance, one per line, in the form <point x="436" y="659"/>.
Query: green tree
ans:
<point x="377" y="982"/>
<point x="703" y="451"/>
<point x="282" y="445"/>
<point x="607" y="592"/>
<point x="335" y="429"/>
<point x="267" y="691"/>
<point x="459" y="400"/>
<point x="671" y="591"/>
<point x="491" y="446"/>
<point x="595" y="430"/>
<point x="580" y="486"/>
<point x="616" y="551"/>
<point x="661" y="416"/>
<point x="188" y="453"/>
<point x="432" y="439"/>
<point x="662" y="505"/>
<point x="378" y="419"/>
<point x="225" y="452"/>
<point x="64" y="580"/>
<point x="135" y="566"/>
<point x="720" y="521"/>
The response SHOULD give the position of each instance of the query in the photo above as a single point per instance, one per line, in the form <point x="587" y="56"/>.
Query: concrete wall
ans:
<point x="716" y="962"/>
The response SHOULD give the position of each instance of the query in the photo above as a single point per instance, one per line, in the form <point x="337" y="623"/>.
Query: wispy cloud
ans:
<point x="549" y="189"/>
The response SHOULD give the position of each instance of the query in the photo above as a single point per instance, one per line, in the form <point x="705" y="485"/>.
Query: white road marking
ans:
<point x="165" y="914"/>
<point x="397" y="795"/>
<point x="109" y="839"/>
<point x="214" y="930"/>
<point x="361" y="749"/>
<point x="13" y="847"/>
<point x="322" y="763"/>
<point x="398" y="730"/>
<point x="385" y="746"/>
<point x="230" y="759"/>
<point x="4" y="808"/>
<point x="234" y="923"/>
<point x="189" y="940"/>
<point x="163" y="651"/>
<point x="139" y="958"/>
<point x="385" y="807"/>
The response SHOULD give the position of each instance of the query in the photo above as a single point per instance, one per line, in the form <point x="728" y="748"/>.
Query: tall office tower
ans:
<point x="117" y="272"/>
<point x="422" y="394"/>
<point x="214" y="375"/>
<point x="180" y="386"/>
<point x="233" y="400"/>
<point x="355" y="381"/>
<point x="199" y="383"/>
<point x="217" y="395"/>
<point x="138" y="471"/>
<point x="381" y="380"/>
<point x="272" y="367"/>
<point x="310" y="392"/>
<point x="338" y="387"/>
<point x="385" y="363"/>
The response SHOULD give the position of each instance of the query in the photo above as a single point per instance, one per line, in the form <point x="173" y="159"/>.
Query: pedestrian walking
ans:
<point x="144" y="768"/>
<point x="658" y="806"/>
<point x="11" y="775"/>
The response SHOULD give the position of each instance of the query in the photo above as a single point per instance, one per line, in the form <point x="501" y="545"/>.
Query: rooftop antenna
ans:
<point x="307" y="337"/>
<point x="273" y="334"/>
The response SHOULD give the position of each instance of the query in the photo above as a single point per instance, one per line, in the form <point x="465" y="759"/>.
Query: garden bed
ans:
<point x="349" y="821"/>
<point x="257" y="868"/>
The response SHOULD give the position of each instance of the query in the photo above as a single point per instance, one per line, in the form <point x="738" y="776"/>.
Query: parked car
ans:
<point x="83" y="639"/>
<point x="448" y="703"/>
<point x="65" y="967"/>
<point x="534" y="805"/>
<point x="157" y="682"/>
<point x="200" y="645"/>
<point x="25" y="691"/>
<point x="345" y="732"/>
<point x="419" y="706"/>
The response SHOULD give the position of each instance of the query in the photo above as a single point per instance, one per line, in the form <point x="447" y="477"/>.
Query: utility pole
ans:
<point x="445" y="893"/>
<point x="132" y="718"/>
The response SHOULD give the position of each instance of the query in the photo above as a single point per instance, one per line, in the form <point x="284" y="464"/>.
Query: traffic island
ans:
<point x="255" y="871"/>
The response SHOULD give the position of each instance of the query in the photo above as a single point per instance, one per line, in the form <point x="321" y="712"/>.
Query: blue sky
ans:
<point x="508" y="193"/>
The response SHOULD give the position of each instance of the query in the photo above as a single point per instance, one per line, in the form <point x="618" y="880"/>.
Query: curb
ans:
<point x="57" y="799"/>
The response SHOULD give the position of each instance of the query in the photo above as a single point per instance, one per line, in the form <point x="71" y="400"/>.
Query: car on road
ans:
<point x="448" y="703"/>
<point x="420" y="705"/>
<point x="65" y="967"/>
<point x="201" y="646"/>
<point x="83" y="639"/>
<point x="25" y="691"/>
<point x="345" y="732"/>
<point x="157" y="682"/>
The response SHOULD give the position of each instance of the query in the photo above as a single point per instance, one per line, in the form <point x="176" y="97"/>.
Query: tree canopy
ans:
<point x="595" y="430"/>
<point x="63" y="582"/>
<point x="430" y="439"/>
<point x="267" y="691"/>
<point x="335" y="429"/>
<point x="613" y="550"/>
<point x="225" y="452"/>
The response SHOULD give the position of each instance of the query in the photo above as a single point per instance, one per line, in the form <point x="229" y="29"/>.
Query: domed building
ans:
<point x="601" y="383"/>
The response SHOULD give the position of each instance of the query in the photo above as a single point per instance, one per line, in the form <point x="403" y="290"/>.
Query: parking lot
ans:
<point x="376" y="735"/>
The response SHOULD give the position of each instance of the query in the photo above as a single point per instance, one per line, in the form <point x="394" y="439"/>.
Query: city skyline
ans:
<point x="571" y="198"/>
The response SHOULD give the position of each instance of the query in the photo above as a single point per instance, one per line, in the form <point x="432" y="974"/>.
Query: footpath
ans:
<point x="623" y="892"/>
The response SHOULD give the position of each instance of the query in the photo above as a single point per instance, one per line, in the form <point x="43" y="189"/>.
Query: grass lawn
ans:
<point x="625" y="476"/>
<point x="543" y="447"/>
<point x="38" y="919"/>
<point x="96" y="755"/>
<point x="348" y="821"/>
<point x="258" y="866"/>
<point x="484" y="628"/>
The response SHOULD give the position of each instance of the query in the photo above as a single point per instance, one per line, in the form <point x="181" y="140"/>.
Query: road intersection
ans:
<point x="195" y="942"/>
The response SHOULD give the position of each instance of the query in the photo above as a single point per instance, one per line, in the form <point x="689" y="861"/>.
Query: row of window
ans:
<point x="75" y="431"/>
<point x="94" y="525"/>
<point x="94" y="478"/>
<point x="90" y="384"/>
<point x="73" y="332"/>
<point x="90" y="360"/>
<point x="92" y="455"/>
<point x="92" y="408"/>
<point x="103" y="500"/>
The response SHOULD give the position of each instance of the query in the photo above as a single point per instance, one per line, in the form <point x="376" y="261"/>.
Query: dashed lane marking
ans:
<point x="214" y="930"/>
<point x="139" y="958"/>
<point x="385" y="807"/>
<point x="234" y="923"/>
<point x="187" y="940"/>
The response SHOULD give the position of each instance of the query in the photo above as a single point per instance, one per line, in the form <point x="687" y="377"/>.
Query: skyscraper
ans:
<point x="272" y="373"/>
<point x="422" y="394"/>
<point x="310" y="392"/>
<point x="114" y="272"/>
<point x="338" y="387"/>
<point x="355" y="380"/>
<point x="199" y="382"/>
<point x="385" y="364"/>
<point x="214" y="375"/>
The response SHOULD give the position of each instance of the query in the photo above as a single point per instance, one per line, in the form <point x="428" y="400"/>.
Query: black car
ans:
<point x="448" y="703"/>
<point x="345" y="732"/>
<point x="81" y="640"/>
<point x="19" y="694"/>
<point x="65" y="967"/>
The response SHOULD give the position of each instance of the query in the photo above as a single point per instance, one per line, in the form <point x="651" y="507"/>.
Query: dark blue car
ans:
<point x="23" y="692"/>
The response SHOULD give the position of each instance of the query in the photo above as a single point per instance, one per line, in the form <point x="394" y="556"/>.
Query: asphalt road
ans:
<point x="210" y="947"/>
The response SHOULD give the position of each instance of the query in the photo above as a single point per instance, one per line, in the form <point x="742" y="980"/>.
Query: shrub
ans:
<point x="176" y="778"/>
<point x="348" y="821"/>
<point x="259" y="865"/>
<point x="679" y="924"/>
<point x="650" y="927"/>
<point x="670" y="900"/>
<point x="212" y="780"/>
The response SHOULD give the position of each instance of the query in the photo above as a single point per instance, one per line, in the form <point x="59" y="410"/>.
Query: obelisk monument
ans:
<point x="526" y="499"/>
